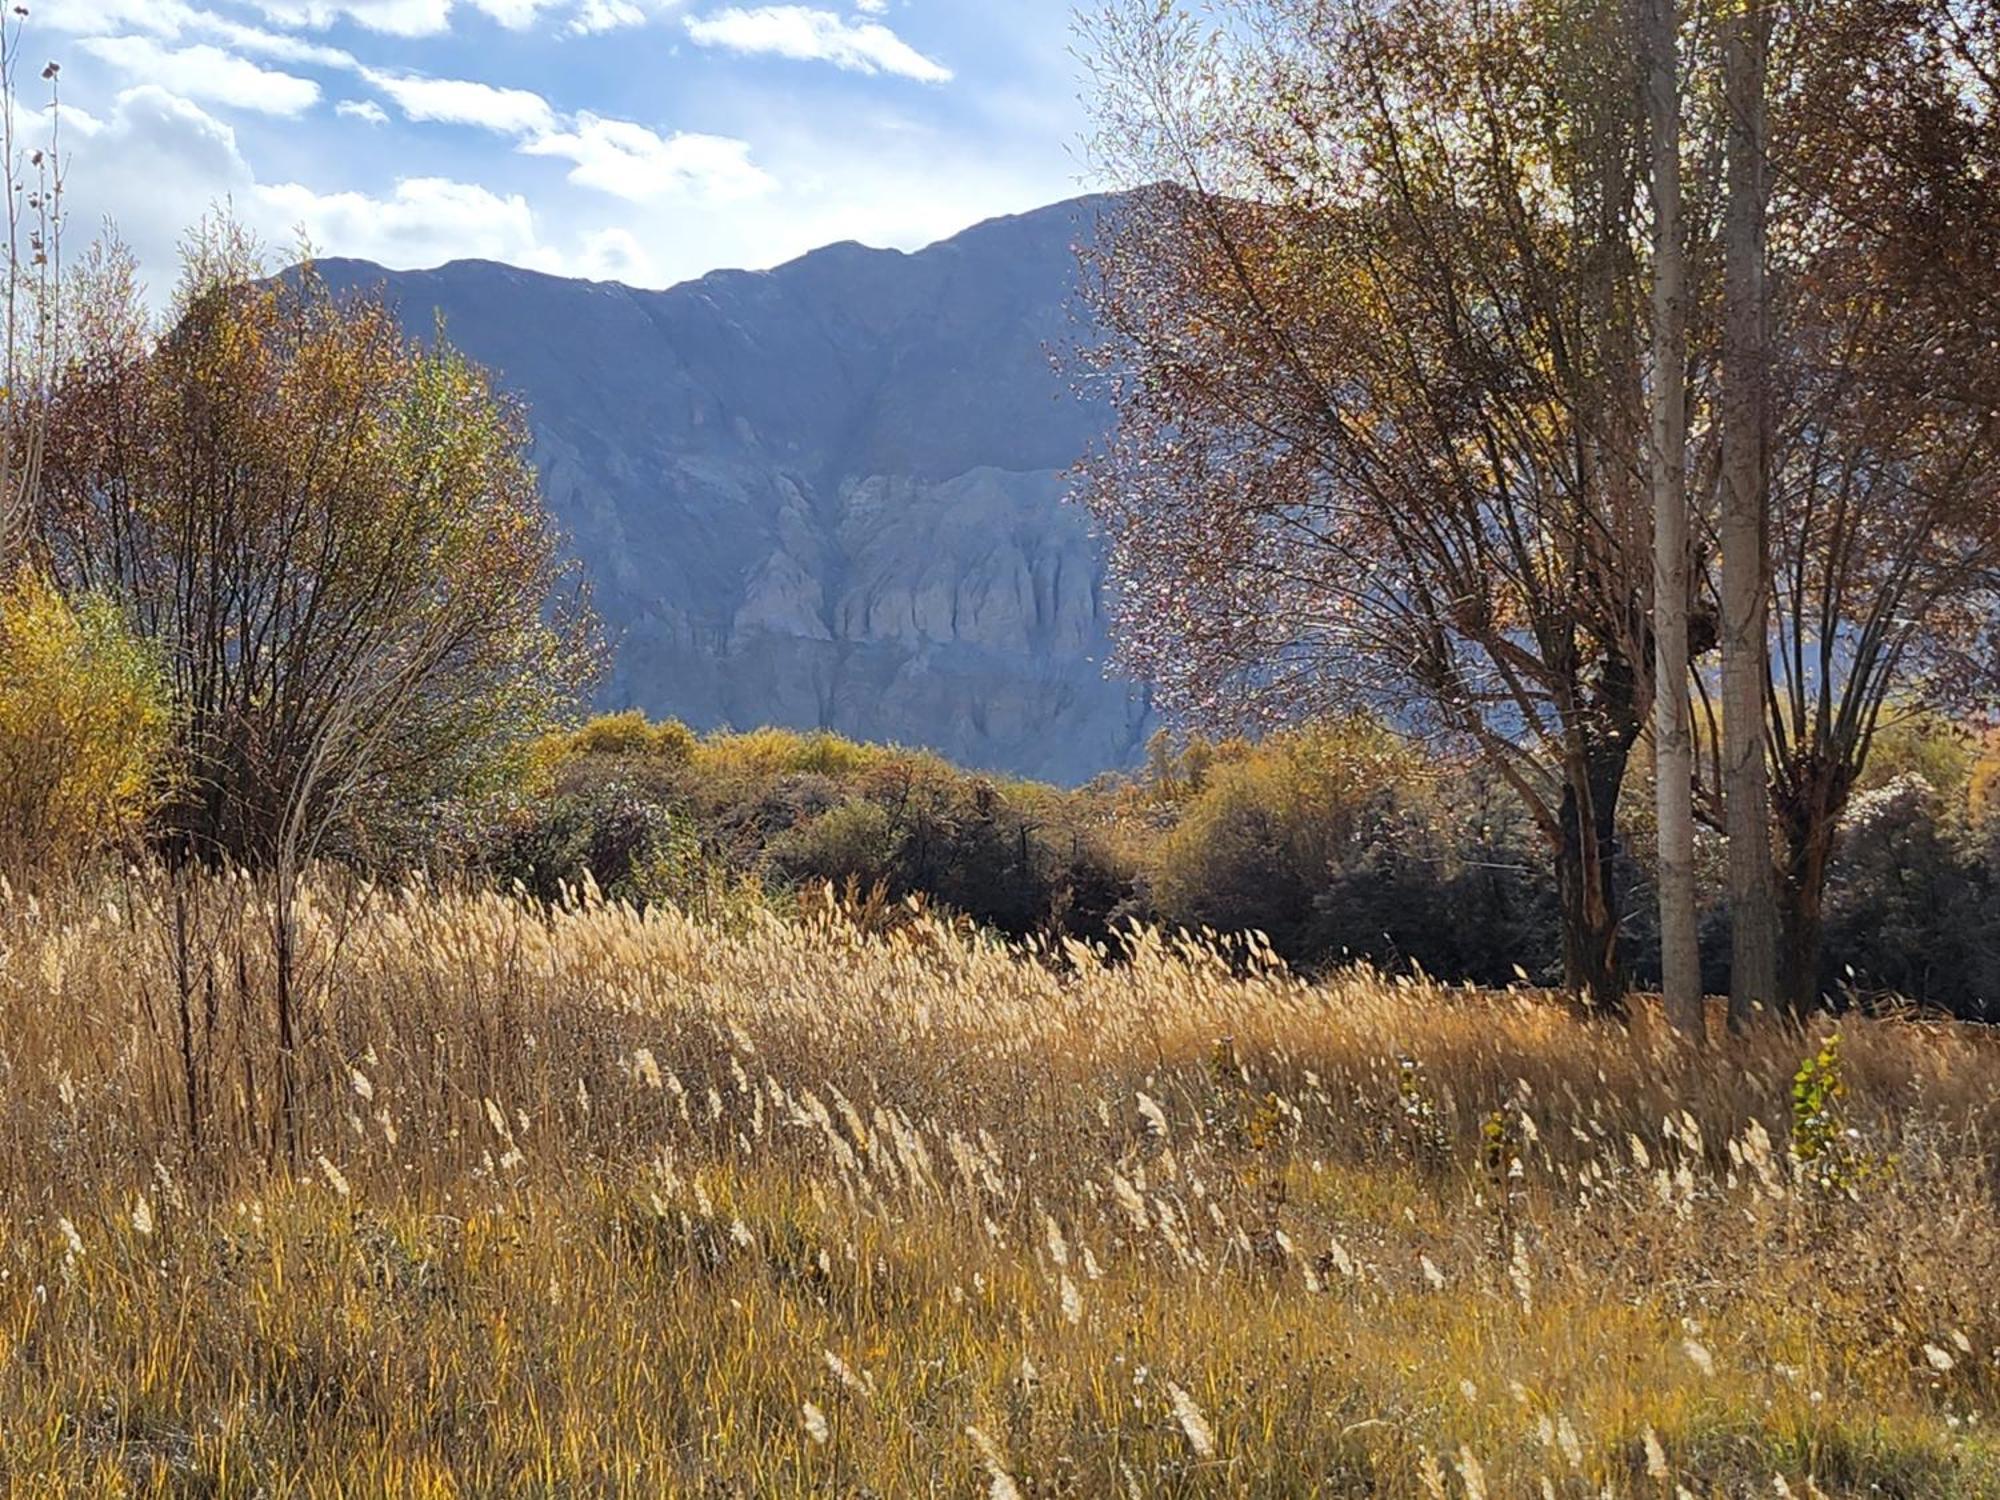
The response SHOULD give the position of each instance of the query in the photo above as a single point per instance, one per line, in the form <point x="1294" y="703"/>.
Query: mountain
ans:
<point x="825" y="495"/>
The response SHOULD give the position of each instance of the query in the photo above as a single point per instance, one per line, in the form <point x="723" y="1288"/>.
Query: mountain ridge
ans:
<point x="824" y="495"/>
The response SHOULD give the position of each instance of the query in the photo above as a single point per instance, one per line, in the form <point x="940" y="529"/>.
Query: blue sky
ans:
<point x="645" y="141"/>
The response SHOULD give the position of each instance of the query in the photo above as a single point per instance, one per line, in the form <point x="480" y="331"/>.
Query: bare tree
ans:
<point x="31" y="296"/>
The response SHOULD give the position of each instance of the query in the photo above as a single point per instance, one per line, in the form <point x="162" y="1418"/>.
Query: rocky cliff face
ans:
<point x="827" y="495"/>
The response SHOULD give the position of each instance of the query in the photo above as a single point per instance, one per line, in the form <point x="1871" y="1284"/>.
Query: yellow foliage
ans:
<point x="1983" y="781"/>
<point x="83" y="726"/>
<point x="1287" y="805"/>
<point x="630" y="733"/>
<point x="773" y="752"/>
<point x="1915" y="741"/>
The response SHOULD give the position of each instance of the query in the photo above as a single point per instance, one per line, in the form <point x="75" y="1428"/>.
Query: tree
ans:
<point x="1673" y="735"/>
<point x="1753" y="976"/>
<point x="31" y="290"/>
<point x="335" y="536"/>
<point x="1884" y="458"/>
<point x="1372" y="337"/>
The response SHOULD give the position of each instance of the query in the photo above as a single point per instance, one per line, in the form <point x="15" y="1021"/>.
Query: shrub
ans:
<point x="631" y="734"/>
<point x="1909" y="901"/>
<point x="1308" y="839"/>
<point x="776" y="752"/>
<point x="852" y="841"/>
<point x="619" y="835"/>
<point x="84" y="726"/>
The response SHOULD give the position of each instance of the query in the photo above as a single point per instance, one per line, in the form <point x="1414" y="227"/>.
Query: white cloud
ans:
<point x="172" y="20"/>
<point x="402" y="17"/>
<point x="269" y="43"/>
<point x="593" y="16"/>
<point x="157" y="162"/>
<point x="366" y="110"/>
<point x="457" y="101"/>
<point x="154" y="161"/>
<point x="630" y="161"/>
<point x="797" y="31"/>
<point x="205" y="72"/>
<point x="872" y="7"/>
<point x="78" y="16"/>
<point x="425" y="220"/>
<point x="620" y="157"/>
<point x="393" y="17"/>
<point x="615" y="255"/>
<point x="515" y="15"/>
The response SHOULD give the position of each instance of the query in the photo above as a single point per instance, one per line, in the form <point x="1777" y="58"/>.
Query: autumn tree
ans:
<point x="334" y="534"/>
<point x="1373" y="321"/>
<point x="1673" y="731"/>
<point x="334" y="537"/>
<point x="1884" y="433"/>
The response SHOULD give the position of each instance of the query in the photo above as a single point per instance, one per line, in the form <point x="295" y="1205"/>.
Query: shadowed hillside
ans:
<point x="827" y="495"/>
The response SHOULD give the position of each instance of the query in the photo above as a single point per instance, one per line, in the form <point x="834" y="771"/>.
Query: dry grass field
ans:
<point x="596" y="1202"/>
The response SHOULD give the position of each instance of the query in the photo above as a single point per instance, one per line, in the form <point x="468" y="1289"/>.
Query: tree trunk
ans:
<point x="1585" y="877"/>
<point x="1803" y="899"/>
<point x="1673" y="740"/>
<point x="1809" y="819"/>
<point x="1753" y="970"/>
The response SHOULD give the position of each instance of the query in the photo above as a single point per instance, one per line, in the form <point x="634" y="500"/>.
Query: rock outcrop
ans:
<point x="826" y="495"/>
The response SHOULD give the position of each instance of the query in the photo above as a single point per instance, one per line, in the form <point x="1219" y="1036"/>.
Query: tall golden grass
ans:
<point x="595" y="1201"/>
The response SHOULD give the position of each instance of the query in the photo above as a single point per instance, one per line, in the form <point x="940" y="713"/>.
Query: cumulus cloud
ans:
<point x="156" y="161"/>
<point x="424" y="220"/>
<point x="204" y="72"/>
<point x="630" y="161"/>
<point x="798" y="31"/>
<point x="366" y="110"/>
<point x="458" y="101"/>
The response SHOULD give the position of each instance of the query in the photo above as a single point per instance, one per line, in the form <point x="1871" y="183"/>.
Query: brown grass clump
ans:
<point x="598" y="1201"/>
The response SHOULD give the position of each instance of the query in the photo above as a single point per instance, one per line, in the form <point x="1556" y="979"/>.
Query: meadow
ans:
<point x="585" y="1199"/>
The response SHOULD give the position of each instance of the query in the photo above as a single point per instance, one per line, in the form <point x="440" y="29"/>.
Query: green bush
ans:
<point x="855" y="840"/>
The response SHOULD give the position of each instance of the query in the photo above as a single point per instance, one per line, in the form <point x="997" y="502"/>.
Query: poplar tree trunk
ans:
<point x="1753" y="969"/>
<point x="1673" y="740"/>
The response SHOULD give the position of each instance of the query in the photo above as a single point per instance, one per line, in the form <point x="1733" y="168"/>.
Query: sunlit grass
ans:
<point x="596" y="1202"/>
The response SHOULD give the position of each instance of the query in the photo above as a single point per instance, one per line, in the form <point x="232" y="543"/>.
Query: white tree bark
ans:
<point x="1753" y="972"/>
<point x="1673" y="740"/>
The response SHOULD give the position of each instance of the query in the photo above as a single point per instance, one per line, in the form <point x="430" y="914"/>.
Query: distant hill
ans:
<point x="827" y="494"/>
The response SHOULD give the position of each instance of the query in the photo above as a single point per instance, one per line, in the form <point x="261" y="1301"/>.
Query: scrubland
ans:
<point x="586" y="1200"/>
